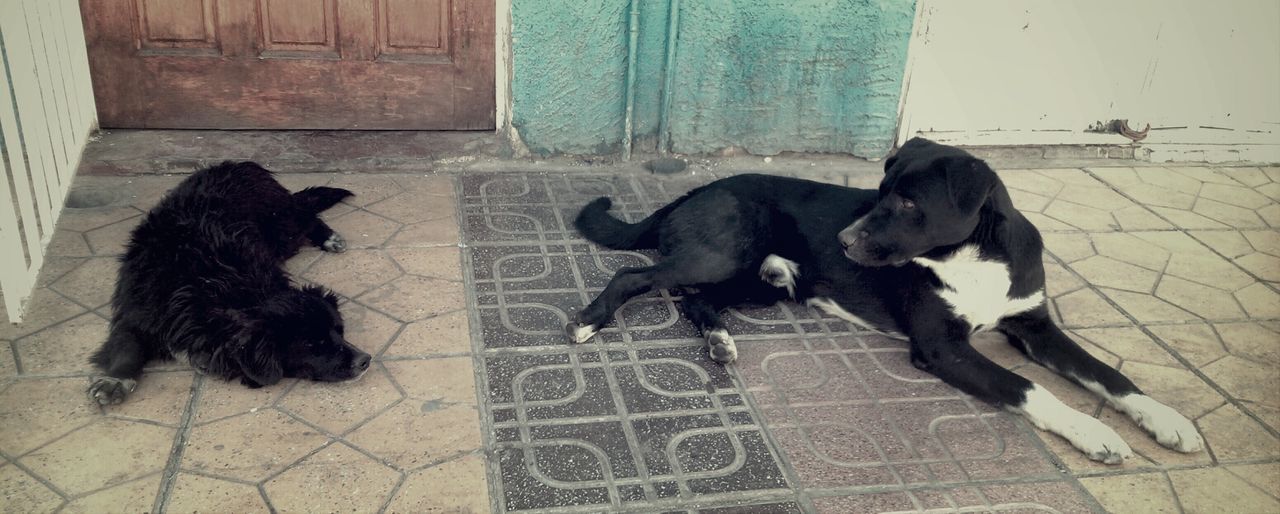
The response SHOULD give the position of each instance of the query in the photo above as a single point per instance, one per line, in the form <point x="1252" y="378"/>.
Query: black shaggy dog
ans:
<point x="201" y="281"/>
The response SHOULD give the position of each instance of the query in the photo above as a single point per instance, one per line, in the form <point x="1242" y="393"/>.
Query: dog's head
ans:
<point x="931" y="196"/>
<point x="295" y="334"/>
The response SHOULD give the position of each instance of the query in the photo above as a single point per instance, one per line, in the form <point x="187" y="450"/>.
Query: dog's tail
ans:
<point x="317" y="199"/>
<point x="602" y="228"/>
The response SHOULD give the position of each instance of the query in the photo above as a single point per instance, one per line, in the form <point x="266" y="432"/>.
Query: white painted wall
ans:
<point x="1003" y="72"/>
<point x="46" y="113"/>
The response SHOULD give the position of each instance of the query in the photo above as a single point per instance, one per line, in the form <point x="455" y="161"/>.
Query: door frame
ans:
<point x="502" y="71"/>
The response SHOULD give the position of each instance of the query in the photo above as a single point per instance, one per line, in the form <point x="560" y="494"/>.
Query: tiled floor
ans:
<point x="477" y="402"/>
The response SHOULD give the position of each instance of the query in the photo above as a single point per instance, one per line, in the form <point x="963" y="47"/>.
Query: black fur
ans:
<point x="855" y="248"/>
<point x="202" y="278"/>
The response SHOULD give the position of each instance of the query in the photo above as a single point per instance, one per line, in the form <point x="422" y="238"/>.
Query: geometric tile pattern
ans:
<point x="640" y="418"/>
<point x="405" y="438"/>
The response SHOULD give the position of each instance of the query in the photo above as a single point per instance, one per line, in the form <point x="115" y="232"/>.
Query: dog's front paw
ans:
<point x="111" y="390"/>
<point x="580" y="332"/>
<point x="721" y="347"/>
<point x="335" y="244"/>
<point x="1169" y="428"/>
<point x="1097" y="440"/>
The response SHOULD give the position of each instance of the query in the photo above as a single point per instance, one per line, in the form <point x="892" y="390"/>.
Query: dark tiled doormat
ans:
<point x="814" y="416"/>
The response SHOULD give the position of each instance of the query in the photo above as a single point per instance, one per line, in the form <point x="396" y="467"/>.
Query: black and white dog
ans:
<point x="937" y="254"/>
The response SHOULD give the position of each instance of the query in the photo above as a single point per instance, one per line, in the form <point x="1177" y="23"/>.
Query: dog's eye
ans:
<point x="908" y="204"/>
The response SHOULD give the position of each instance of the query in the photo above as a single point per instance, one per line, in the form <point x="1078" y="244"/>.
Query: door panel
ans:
<point x="292" y="64"/>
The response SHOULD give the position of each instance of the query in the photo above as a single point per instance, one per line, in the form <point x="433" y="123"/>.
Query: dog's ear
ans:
<point x="969" y="182"/>
<point x="253" y="351"/>
<point x="326" y="294"/>
<point x="907" y="151"/>
<point x="888" y="163"/>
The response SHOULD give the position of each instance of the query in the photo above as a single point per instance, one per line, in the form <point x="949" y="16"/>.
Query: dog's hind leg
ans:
<point x="316" y="199"/>
<point x="1036" y="335"/>
<point x="121" y="359"/>
<point x="310" y="202"/>
<point x="324" y="238"/>
<point x="703" y="309"/>
<point x="626" y="284"/>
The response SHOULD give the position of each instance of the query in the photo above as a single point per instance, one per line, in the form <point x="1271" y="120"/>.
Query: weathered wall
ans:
<point x="765" y="75"/>
<point x="800" y="75"/>
<point x="1205" y="77"/>
<point x="568" y="69"/>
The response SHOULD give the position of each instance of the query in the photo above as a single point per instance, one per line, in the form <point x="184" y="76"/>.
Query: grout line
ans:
<point x="475" y="331"/>
<point x="179" y="445"/>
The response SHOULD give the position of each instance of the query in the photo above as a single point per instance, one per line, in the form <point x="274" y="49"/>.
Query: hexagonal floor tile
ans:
<point x="443" y="262"/>
<point x="249" y="446"/>
<point x="363" y="230"/>
<point x="111" y="239"/>
<point x="220" y="398"/>
<point x="64" y="347"/>
<point x="91" y="283"/>
<point x="136" y="496"/>
<point x="22" y="493"/>
<point x="336" y="407"/>
<point x="354" y="272"/>
<point x="160" y="397"/>
<point x="1141" y="492"/>
<point x="102" y="454"/>
<point x="410" y="208"/>
<point x="366" y="328"/>
<point x="45" y="308"/>
<point x="449" y="487"/>
<point x="1246" y="379"/>
<point x="196" y="493"/>
<point x="1195" y="342"/>
<point x="337" y="479"/>
<point x="367" y="189"/>
<point x="449" y="380"/>
<point x="417" y="433"/>
<point x="448" y="333"/>
<point x="442" y="231"/>
<point x="1208" y="490"/>
<point x="33" y="412"/>
<point x="411" y="297"/>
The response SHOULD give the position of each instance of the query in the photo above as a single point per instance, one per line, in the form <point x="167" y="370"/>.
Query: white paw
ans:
<point x="579" y="333"/>
<point x="780" y="272"/>
<point x="1097" y="440"/>
<point x="335" y="244"/>
<point x="721" y="347"/>
<point x="1170" y="428"/>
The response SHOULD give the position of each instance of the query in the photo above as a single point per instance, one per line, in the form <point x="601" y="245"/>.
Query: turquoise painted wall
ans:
<point x="766" y="75"/>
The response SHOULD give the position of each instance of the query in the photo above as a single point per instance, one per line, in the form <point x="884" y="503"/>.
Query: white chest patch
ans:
<point x="977" y="289"/>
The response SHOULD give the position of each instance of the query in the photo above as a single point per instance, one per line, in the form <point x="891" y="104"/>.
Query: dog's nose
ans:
<point x="362" y="362"/>
<point x="848" y="239"/>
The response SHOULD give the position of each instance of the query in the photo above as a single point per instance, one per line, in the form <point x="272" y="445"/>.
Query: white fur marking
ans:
<point x="720" y="338"/>
<point x="1166" y="425"/>
<point x="979" y="288"/>
<point x="1097" y="440"/>
<point x="583" y="333"/>
<point x="784" y="272"/>
<point x="830" y="307"/>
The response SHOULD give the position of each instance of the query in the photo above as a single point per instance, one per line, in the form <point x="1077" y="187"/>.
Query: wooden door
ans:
<point x="292" y="64"/>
